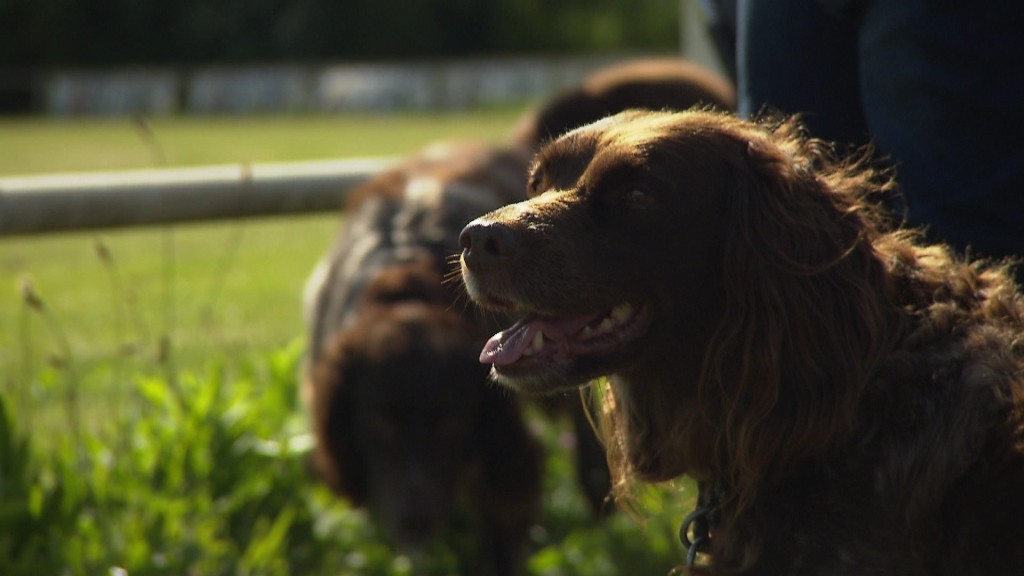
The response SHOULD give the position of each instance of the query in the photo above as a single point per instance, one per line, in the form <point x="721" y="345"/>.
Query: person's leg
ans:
<point x="799" y="56"/>
<point x="943" y="90"/>
<point x="721" y="17"/>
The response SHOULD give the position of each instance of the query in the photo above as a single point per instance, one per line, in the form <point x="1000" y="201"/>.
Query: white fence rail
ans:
<point x="63" y="202"/>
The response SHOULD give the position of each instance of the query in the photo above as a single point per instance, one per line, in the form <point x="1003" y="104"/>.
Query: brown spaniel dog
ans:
<point x="404" y="421"/>
<point x="849" y="399"/>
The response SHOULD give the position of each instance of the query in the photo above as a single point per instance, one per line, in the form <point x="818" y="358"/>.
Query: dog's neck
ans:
<point x="662" y="430"/>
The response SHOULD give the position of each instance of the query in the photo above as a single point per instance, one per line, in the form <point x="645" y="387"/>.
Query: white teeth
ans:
<point x="622" y="312"/>
<point x="619" y="315"/>
<point x="535" y="345"/>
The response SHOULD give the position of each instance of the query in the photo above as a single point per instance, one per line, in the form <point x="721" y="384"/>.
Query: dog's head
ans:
<point x="617" y="231"/>
<point x="727" y="260"/>
<point x="399" y="405"/>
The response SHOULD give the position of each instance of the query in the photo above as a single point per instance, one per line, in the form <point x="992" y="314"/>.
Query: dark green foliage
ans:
<point x="121" y="32"/>
<point x="204" y="479"/>
<point x="36" y="513"/>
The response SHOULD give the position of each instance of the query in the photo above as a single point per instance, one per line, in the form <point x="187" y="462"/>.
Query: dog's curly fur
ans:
<point x="857" y="395"/>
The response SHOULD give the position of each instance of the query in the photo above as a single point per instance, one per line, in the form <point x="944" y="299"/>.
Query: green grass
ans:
<point x="53" y="145"/>
<point x="212" y="291"/>
<point x="209" y="290"/>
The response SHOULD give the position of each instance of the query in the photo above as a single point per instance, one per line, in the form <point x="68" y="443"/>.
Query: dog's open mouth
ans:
<point x="538" y="342"/>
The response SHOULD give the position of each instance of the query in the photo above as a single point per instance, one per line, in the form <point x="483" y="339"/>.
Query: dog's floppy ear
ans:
<point x="801" y="328"/>
<point x="337" y="458"/>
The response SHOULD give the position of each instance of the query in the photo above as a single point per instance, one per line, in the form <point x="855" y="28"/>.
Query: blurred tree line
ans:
<point x="64" y="33"/>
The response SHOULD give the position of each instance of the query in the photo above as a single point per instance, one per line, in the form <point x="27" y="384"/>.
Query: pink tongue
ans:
<point x="508" y="346"/>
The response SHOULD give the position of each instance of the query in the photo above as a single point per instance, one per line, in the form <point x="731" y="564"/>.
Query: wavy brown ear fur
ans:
<point x="336" y="457"/>
<point x="805" y="318"/>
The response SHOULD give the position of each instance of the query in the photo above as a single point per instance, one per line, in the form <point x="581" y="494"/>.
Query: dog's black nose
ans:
<point x="486" y="244"/>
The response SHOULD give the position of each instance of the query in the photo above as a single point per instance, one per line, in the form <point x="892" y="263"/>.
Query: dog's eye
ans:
<point x="536" y="179"/>
<point x="639" y="196"/>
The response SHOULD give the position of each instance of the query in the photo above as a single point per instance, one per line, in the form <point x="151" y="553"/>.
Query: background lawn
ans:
<point x="53" y="145"/>
<point x="209" y="290"/>
<point x="137" y="365"/>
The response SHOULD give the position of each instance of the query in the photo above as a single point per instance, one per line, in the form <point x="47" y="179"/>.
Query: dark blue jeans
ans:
<point x="936" y="85"/>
